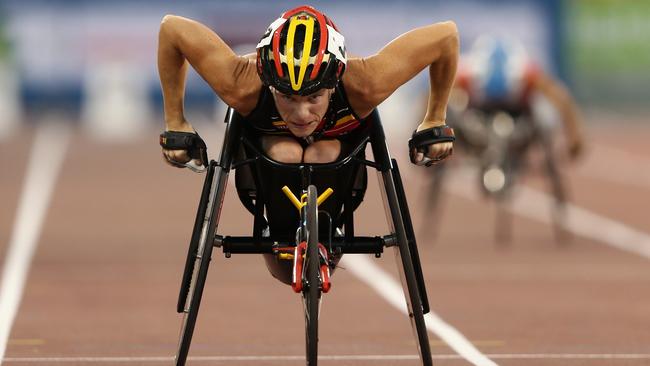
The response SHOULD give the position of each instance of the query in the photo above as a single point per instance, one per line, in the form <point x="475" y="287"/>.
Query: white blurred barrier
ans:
<point x="10" y="110"/>
<point x="116" y="106"/>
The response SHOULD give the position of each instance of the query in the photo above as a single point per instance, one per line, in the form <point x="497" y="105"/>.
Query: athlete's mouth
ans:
<point x="301" y="125"/>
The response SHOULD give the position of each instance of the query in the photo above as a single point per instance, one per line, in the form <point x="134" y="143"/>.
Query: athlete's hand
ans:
<point x="434" y="153"/>
<point x="178" y="158"/>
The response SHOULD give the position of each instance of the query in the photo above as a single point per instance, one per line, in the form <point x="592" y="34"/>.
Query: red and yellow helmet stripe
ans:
<point x="308" y="22"/>
<point x="308" y="17"/>
<point x="300" y="52"/>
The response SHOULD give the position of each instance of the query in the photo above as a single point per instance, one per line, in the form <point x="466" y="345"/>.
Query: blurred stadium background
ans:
<point x="95" y="61"/>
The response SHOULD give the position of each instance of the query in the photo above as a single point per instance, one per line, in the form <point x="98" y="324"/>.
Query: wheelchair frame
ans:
<point x="204" y="236"/>
<point x="508" y="153"/>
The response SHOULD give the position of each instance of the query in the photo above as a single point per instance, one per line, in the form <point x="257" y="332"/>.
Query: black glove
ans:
<point x="420" y="141"/>
<point x="188" y="141"/>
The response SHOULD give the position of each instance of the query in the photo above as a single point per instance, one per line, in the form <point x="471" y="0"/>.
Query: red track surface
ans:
<point x="105" y="278"/>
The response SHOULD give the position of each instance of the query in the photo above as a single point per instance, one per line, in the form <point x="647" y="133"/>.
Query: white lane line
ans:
<point x="389" y="289"/>
<point x="574" y="356"/>
<point x="537" y="205"/>
<point x="583" y="222"/>
<point x="47" y="155"/>
<point x="504" y="356"/>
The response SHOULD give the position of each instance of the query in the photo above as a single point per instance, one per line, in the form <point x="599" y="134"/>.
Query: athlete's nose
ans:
<point x="302" y="112"/>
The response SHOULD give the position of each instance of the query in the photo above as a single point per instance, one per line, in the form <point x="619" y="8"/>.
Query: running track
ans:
<point x="102" y="284"/>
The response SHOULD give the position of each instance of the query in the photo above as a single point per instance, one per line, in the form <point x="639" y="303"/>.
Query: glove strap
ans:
<point x="434" y="135"/>
<point x="189" y="141"/>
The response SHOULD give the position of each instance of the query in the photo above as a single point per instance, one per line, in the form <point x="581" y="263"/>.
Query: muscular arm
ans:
<point x="182" y="41"/>
<point x="371" y="80"/>
<point x="560" y="97"/>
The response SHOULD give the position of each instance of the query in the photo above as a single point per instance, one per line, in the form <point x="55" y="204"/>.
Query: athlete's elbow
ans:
<point x="170" y="22"/>
<point x="450" y="38"/>
<point x="451" y="27"/>
<point x="450" y="31"/>
<point x="168" y="18"/>
<point x="166" y="23"/>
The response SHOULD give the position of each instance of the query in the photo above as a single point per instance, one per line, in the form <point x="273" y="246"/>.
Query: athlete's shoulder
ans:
<point x="263" y="109"/>
<point x="355" y="73"/>
<point x="246" y="93"/>
<point x="358" y="81"/>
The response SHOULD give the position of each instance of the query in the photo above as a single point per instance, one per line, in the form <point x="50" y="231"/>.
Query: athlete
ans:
<point x="498" y="74"/>
<point x="300" y="90"/>
<point x="501" y="104"/>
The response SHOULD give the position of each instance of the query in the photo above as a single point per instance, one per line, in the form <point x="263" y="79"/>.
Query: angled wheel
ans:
<point x="562" y="235"/>
<point x="410" y="235"/>
<point x="407" y="260"/>
<point x="193" y="248"/>
<point x="198" y="272"/>
<point x="195" y="293"/>
<point x="311" y="272"/>
<point x="413" y="301"/>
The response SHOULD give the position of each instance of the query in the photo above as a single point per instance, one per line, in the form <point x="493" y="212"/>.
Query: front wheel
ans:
<point x="311" y="272"/>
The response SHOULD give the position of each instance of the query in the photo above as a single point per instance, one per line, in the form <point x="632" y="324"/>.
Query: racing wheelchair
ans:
<point x="302" y="238"/>
<point x="500" y="139"/>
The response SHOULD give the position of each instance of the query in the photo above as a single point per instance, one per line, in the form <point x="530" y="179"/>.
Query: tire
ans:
<point x="195" y="293"/>
<point x="312" y="294"/>
<point x="200" y="264"/>
<point x="193" y="249"/>
<point x="562" y="235"/>
<point x="408" y="276"/>
<point x="414" y="303"/>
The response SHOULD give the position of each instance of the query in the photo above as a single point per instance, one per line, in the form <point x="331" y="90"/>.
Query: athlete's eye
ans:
<point x="315" y="97"/>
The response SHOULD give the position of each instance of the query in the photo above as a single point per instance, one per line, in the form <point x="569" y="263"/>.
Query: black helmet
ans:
<point x="301" y="52"/>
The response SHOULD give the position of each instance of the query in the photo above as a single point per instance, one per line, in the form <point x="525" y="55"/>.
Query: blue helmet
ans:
<point x="499" y="66"/>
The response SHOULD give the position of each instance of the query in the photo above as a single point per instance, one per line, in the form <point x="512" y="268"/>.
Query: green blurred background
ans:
<point x="608" y="52"/>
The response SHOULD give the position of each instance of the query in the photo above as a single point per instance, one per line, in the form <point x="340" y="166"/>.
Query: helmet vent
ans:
<point x="303" y="52"/>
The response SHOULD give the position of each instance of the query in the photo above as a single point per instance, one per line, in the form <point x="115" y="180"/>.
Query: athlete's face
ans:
<point x="302" y="113"/>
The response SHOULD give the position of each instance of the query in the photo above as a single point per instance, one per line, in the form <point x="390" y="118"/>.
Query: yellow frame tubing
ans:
<point x="300" y="204"/>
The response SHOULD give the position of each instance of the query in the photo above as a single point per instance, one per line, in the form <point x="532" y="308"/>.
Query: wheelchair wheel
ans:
<point x="408" y="265"/>
<point x="193" y="249"/>
<point x="413" y="302"/>
<point x="195" y="292"/>
<point x="198" y="272"/>
<point x="562" y="235"/>
<point x="312" y="292"/>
